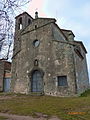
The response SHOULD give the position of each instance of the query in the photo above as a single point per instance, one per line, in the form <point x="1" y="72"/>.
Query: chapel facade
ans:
<point x="47" y="59"/>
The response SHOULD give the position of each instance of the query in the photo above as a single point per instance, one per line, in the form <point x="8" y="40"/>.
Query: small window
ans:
<point x="20" y="24"/>
<point x="36" y="43"/>
<point x="36" y="62"/>
<point x="29" y="21"/>
<point x="35" y="26"/>
<point x="62" y="81"/>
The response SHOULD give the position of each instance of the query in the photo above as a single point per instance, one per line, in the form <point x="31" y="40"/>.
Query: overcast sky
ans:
<point x="70" y="14"/>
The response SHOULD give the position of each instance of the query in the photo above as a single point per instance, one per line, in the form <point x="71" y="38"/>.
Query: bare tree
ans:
<point x="8" y="10"/>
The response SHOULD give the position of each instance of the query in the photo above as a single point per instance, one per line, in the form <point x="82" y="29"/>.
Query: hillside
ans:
<point x="73" y="108"/>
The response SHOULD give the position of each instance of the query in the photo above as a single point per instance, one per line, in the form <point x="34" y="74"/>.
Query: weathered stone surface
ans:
<point x="1" y="74"/>
<point x="5" y="72"/>
<point x="56" y="56"/>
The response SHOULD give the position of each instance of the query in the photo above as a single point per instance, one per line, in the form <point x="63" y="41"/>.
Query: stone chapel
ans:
<point x="47" y="60"/>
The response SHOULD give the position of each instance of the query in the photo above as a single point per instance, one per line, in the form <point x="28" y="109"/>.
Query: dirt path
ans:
<point x="17" y="117"/>
<point x="5" y="97"/>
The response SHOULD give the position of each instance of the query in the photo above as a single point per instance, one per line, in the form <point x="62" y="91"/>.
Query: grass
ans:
<point x="71" y="108"/>
<point x="86" y="93"/>
<point x="3" y="118"/>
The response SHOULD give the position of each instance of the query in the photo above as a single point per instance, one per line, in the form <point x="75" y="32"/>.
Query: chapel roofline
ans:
<point x="68" y="31"/>
<point x="80" y="42"/>
<point x="61" y="30"/>
<point x="23" y="14"/>
<point x="4" y="60"/>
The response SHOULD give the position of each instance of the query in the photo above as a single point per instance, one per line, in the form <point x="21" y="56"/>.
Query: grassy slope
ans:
<point x="29" y="105"/>
<point x="86" y="93"/>
<point x="3" y="118"/>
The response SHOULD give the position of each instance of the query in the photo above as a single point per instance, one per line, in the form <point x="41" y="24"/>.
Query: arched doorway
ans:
<point x="37" y="81"/>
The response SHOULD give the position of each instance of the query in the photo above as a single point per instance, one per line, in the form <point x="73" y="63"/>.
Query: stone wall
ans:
<point x="81" y="71"/>
<point x="55" y="56"/>
<point x="50" y="54"/>
<point x="1" y="74"/>
<point x="4" y="66"/>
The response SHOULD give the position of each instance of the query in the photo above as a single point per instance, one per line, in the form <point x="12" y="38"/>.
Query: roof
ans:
<point x="48" y="21"/>
<point x="80" y="42"/>
<point x="68" y="31"/>
<point x="61" y="31"/>
<point x="7" y="64"/>
<point x="46" y="18"/>
<point x="5" y="61"/>
<point x="23" y="14"/>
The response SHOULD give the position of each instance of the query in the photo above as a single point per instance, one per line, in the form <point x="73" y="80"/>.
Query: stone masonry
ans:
<point x="5" y="72"/>
<point x="46" y="59"/>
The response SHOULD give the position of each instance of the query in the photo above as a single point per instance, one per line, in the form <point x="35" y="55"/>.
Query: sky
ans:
<point x="70" y="14"/>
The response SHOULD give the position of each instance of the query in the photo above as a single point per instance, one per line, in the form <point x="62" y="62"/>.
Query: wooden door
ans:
<point x="37" y="82"/>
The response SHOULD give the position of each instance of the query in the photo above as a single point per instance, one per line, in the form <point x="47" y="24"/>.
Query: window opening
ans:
<point x="20" y="24"/>
<point x="36" y="43"/>
<point x="29" y="21"/>
<point x="62" y="81"/>
<point x="36" y="62"/>
<point x="35" y="26"/>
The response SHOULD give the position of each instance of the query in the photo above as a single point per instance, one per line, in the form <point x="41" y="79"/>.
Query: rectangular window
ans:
<point x="62" y="81"/>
